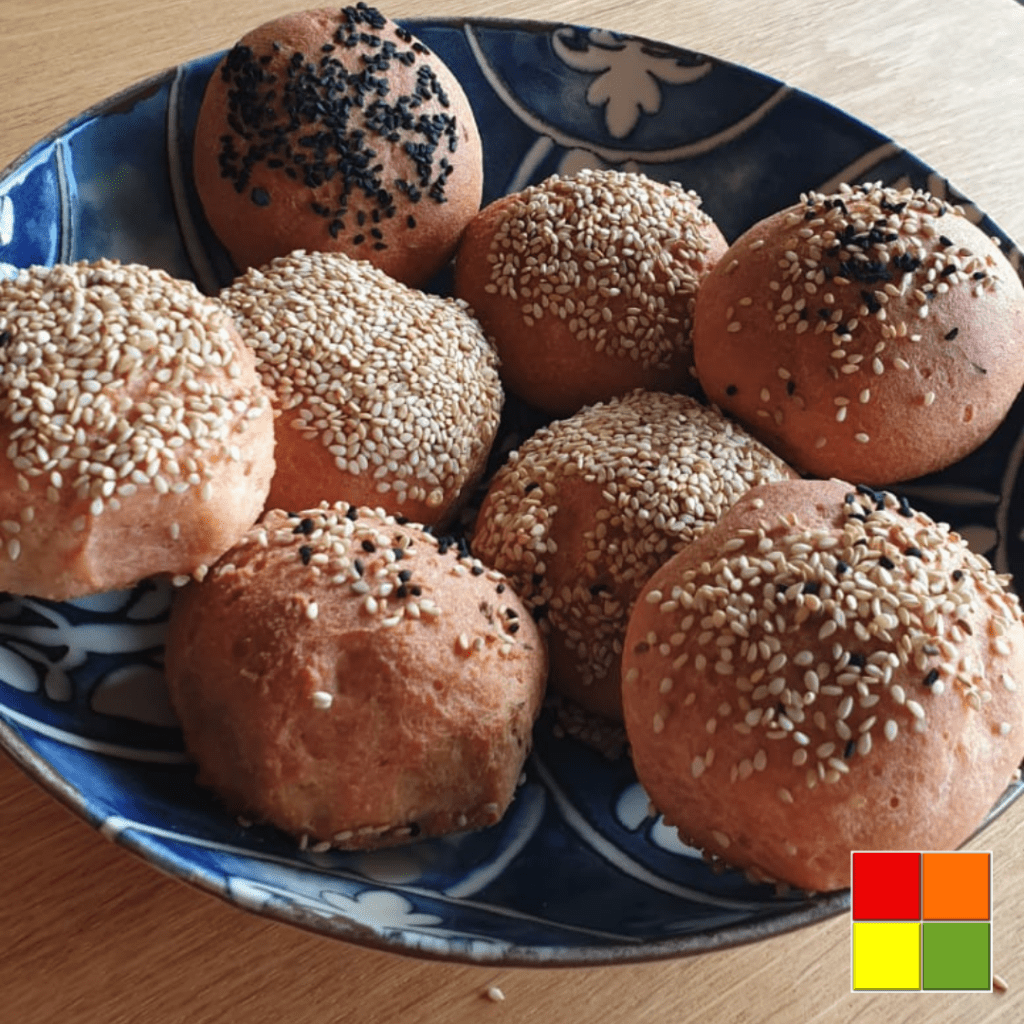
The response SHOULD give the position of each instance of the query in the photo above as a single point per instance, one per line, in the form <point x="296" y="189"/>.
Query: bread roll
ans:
<point x="875" y="334"/>
<point x="586" y="285"/>
<point x="824" y="671"/>
<point x="336" y="129"/>
<point x="587" y="508"/>
<point x="354" y="681"/>
<point x="387" y="395"/>
<point x="138" y="439"/>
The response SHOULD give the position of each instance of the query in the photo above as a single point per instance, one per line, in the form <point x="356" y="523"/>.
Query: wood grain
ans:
<point x="91" y="935"/>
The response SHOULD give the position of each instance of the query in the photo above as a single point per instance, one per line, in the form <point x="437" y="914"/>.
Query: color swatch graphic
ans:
<point x="922" y="921"/>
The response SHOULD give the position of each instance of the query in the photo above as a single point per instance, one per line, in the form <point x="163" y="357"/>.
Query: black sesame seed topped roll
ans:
<point x="355" y="681"/>
<point x="875" y="334"/>
<point x="337" y="129"/>
<point x="389" y="396"/>
<point x="136" y="437"/>
<point x="587" y="508"/>
<point x="825" y="670"/>
<point x="587" y="283"/>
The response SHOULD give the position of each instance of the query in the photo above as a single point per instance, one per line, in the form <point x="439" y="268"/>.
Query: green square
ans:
<point x="956" y="955"/>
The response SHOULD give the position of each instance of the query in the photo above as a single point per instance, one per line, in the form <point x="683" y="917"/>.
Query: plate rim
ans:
<point x="40" y="771"/>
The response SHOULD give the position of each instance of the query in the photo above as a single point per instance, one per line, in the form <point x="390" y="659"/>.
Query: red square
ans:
<point x="886" y="886"/>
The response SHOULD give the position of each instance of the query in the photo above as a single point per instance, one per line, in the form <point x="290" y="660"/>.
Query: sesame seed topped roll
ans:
<point x="137" y="437"/>
<point x="337" y="129"/>
<point x="588" y="507"/>
<point x="586" y="283"/>
<point x="826" y="670"/>
<point x="875" y="334"/>
<point x="355" y="681"/>
<point x="388" y="396"/>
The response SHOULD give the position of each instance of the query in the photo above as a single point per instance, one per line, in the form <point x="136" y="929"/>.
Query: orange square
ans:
<point x="955" y="886"/>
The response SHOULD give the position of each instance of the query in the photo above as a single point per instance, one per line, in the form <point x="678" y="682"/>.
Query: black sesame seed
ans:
<point x="811" y="587"/>
<point x="841" y="567"/>
<point x="305" y="526"/>
<point x="405" y="575"/>
<point x="531" y="486"/>
<point x="958" y="575"/>
<point x="260" y="197"/>
<point x="512" y="613"/>
<point x="305" y="553"/>
<point x="414" y="828"/>
<point x="931" y="678"/>
<point x="399" y="553"/>
<point x="947" y="242"/>
<point x="416" y="590"/>
<point x="790" y="386"/>
<point x="477" y="570"/>
<point x="905" y="509"/>
<point x="869" y="492"/>
<point x="357" y="564"/>
<point x="886" y="563"/>
<point x="913" y="552"/>
<point x="500" y="588"/>
<point x="5" y="336"/>
<point x="950" y="335"/>
<point x="731" y="389"/>
<point x="513" y="627"/>
<point x="849" y="749"/>
<point x="857" y="660"/>
<point x="368" y="546"/>
<point x="352" y="513"/>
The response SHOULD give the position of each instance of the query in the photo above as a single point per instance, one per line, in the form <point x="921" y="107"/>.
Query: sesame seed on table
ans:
<point x="91" y="934"/>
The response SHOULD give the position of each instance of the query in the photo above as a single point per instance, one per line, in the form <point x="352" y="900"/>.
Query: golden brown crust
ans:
<point x="892" y="346"/>
<point x="387" y="395"/>
<point x="858" y="685"/>
<point x="138" y="439"/>
<point x="335" y="129"/>
<point x="351" y="696"/>
<point x="586" y="284"/>
<point x="587" y="508"/>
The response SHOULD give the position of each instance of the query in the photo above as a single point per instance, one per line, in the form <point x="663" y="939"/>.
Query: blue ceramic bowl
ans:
<point x="577" y="872"/>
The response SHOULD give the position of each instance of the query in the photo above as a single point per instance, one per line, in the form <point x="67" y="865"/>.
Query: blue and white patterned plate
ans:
<point x="577" y="872"/>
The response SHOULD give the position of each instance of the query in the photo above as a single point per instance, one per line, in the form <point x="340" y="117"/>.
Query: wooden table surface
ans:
<point x="90" y="935"/>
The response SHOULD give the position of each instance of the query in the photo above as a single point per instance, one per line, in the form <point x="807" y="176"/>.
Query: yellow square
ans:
<point x="886" y="955"/>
